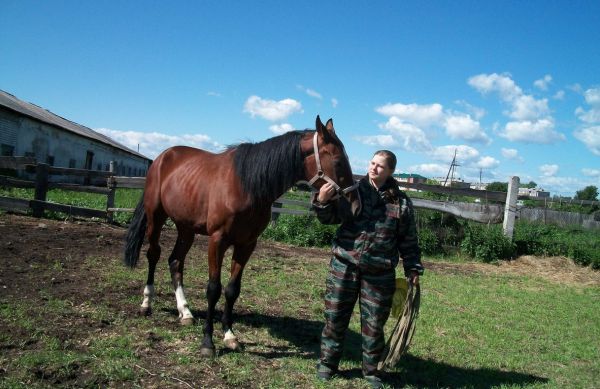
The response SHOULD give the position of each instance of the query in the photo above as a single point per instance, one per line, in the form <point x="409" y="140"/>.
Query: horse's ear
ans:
<point x="326" y="132"/>
<point x="319" y="124"/>
<point x="329" y="126"/>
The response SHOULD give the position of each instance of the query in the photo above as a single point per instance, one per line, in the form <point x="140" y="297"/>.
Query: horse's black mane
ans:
<point x="268" y="168"/>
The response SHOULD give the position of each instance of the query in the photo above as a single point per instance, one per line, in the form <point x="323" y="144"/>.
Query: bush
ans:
<point x="304" y="231"/>
<point x="549" y="240"/>
<point x="486" y="243"/>
<point x="438" y="231"/>
<point x="428" y="242"/>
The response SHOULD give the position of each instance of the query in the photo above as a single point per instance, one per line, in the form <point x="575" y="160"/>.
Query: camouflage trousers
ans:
<point x="347" y="282"/>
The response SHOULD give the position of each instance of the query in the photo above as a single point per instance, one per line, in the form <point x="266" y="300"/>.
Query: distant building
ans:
<point x="29" y="130"/>
<point x="411" y="178"/>
<point x="534" y="192"/>
<point x="478" y="186"/>
<point x="455" y="183"/>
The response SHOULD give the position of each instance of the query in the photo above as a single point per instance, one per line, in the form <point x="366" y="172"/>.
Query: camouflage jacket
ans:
<point x="383" y="230"/>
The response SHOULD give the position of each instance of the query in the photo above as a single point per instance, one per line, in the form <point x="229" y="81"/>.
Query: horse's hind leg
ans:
<point x="185" y="238"/>
<point x="155" y="224"/>
<point x="241" y="254"/>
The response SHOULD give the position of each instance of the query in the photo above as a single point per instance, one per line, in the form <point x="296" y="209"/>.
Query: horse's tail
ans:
<point x="135" y="235"/>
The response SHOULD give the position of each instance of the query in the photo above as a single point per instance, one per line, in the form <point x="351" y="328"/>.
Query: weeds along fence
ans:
<point x="493" y="208"/>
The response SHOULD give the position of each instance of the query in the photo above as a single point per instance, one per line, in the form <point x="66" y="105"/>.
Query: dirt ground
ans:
<point x="28" y="244"/>
<point x="25" y="243"/>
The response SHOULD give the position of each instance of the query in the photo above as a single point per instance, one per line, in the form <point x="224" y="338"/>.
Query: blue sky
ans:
<point x="514" y="87"/>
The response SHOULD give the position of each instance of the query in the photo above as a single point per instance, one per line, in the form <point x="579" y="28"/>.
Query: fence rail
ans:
<point x="489" y="211"/>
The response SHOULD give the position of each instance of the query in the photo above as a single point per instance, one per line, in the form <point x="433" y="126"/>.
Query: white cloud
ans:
<point x="575" y="88"/>
<point x="548" y="170"/>
<point x="590" y="136"/>
<point x="486" y="163"/>
<point x="591" y="172"/>
<point x="592" y="97"/>
<point x="464" y="154"/>
<point x="153" y="143"/>
<point x="543" y="83"/>
<point x="429" y="169"/>
<point x="420" y="115"/>
<point x="540" y="131"/>
<point x="526" y="107"/>
<point x="386" y="141"/>
<point x="270" y="109"/>
<point x="310" y="92"/>
<point x="511" y="154"/>
<point x="334" y="102"/>
<point x="562" y="186"/>
<point x="314" y="93"/>
<point x="464" y="127"/>
<point x="281" y="128"/>
<point x="410" y="136"/>
<point x="560" y="95"/>
<point x="214" y="94"/>
<point x="477" y="112"/>
<point x="503" y="84"/>
<point x="532" y="121"/>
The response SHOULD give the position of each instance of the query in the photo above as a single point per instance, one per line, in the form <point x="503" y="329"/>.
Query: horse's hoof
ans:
<point x="233" y="345"/>
<point x="186" y="321"/>
<point x="145" y="311"/>
<point x="207" y="352"/>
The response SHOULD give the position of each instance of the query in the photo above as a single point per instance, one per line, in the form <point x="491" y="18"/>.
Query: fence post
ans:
<point x="41" y="189"/>
<point x="110" y="197"/>
<point x="275" y="215"/>
<point x="510" y="208"/>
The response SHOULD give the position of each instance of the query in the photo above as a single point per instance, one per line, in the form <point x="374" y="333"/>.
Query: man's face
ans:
<point x="379" y="170"/>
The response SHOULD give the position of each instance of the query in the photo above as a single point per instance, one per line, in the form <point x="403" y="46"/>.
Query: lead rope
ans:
<point x="403" y="330"/>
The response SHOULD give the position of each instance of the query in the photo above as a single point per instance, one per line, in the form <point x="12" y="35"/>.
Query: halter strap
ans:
<point x="320" y="174"/>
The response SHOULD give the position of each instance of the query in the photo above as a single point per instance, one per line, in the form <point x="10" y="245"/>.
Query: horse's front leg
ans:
<point x="216" y="251"/>
<point x="241" y="254"/>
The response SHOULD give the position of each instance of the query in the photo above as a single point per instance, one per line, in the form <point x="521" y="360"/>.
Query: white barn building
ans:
<point x="29" y="130"/>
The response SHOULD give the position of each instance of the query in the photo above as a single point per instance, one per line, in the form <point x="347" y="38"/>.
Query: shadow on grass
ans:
<point x="304" y="336"/>
<point x="423" y="373"/>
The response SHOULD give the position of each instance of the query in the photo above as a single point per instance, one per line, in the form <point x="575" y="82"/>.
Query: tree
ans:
<point x="587" y="193"/>
<point x="497" y="186"/>
<point x="530" y="185"/>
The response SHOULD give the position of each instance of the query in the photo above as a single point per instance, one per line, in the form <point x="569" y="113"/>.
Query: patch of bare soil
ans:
<point x="28" y="244"/>
<point x="554" y="269"/>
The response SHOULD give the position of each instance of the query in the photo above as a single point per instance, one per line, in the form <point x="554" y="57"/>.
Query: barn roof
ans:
<point x="11" y="102"/>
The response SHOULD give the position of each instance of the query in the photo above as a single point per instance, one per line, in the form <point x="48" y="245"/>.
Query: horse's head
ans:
<point x="329" y="163"/>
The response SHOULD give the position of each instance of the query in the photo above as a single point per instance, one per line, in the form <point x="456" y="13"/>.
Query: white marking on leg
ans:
<point x="229" y="335"/>
<point x="182" y="304"/>
<point x="148" y="296"/>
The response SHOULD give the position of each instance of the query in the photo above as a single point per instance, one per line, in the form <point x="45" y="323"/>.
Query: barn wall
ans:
<point x="62" y="148"/>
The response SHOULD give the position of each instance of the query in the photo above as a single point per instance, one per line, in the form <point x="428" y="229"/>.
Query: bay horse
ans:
<point x="228" y="196"/>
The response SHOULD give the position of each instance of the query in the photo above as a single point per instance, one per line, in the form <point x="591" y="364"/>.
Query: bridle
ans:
<point x="320" y="174"/>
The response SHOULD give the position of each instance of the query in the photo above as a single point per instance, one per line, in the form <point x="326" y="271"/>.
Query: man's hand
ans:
<point x="325" y="193"/>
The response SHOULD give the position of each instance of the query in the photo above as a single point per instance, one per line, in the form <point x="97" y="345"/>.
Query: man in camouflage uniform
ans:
<point x="366" y="250"/>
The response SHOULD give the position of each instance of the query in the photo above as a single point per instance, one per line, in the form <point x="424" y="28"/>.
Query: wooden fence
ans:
<point x="494" y="207"/>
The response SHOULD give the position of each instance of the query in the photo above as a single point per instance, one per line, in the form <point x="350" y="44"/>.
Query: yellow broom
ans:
<point x="405" y="306"/>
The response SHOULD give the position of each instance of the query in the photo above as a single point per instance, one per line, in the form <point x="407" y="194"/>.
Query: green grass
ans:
<point x="479" y="330"/>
